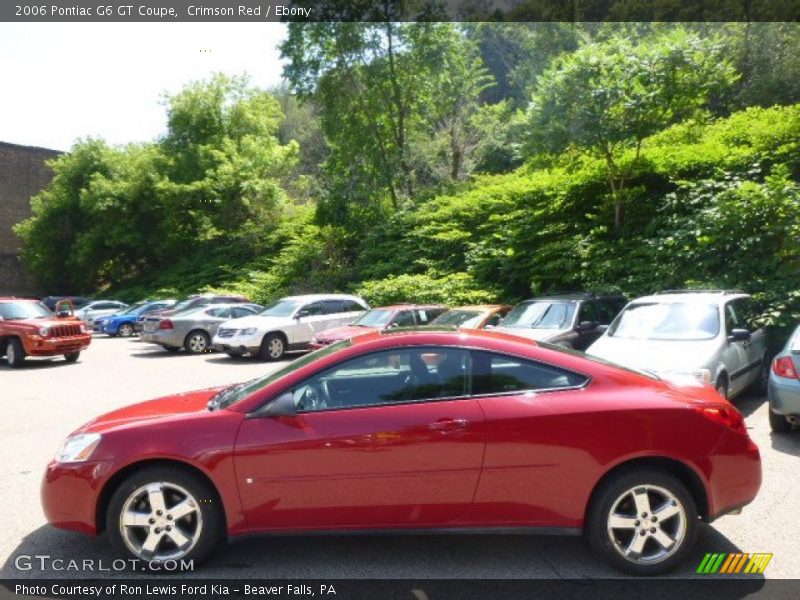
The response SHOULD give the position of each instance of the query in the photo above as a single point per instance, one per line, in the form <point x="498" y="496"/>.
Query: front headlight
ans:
<point x="43" y="331"/>
<point x="248" y="331"/>
<point x="83" y="327"/>
<point x="78" y="448"/>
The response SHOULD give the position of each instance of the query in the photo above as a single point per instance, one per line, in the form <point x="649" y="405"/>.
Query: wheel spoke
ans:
<point x="667" y="510"/>
<point x="151" y="543"/>
<point x="133" y="518"/>
<point x="184" y="508"/>
<point x="636" y="545"/>
<point x="642" y="501"/>
<point x="177" y="536"/>
<point x="663" y="538"/>
<point x="155" y="495"/>
<point x="621" y="522"/>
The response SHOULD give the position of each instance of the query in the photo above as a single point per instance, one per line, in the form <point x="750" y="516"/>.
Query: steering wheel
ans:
<point x="314" y="398"/>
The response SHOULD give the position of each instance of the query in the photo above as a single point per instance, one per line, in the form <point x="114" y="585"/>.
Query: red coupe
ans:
<point x="498" y="434"/>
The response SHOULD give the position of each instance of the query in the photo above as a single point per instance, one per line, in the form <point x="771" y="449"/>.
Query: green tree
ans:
<point x="607" y="97"/>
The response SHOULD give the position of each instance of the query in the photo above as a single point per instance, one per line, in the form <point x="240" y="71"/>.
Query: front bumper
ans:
<point x="43" y="346"/>
<point x="70" y="492"/>
<point x="238" y="343"/>
<point x="784" y="395"/>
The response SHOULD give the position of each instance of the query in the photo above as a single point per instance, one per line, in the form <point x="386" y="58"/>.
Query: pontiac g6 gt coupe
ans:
<point x="414" y="430"/>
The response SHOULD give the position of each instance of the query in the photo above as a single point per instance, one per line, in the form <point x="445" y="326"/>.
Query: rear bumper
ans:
<point x="42" y="346"/>
<point x="736" y="478"/>
<point x="168" y="337"/>
<point x="784" y="396"/>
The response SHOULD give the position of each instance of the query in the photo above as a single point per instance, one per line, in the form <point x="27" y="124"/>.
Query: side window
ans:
<point x="241" y="311"/>
<point x="732" y="320"/>
<point x="332" y="307"/>
<point x="388" y="377"/>
<point x="588" y="313"/>
<point x="222" y="313"/>
<point x="105" y="305"/>
<point x="352" y="306"/>
<point x="494" y="319"/>
<point x="745" y="310"/>
<point x="405" y="318"/>
<point x="501" y="374"/>
<point x="606" y="312"/>
<point x="311" y="310"/>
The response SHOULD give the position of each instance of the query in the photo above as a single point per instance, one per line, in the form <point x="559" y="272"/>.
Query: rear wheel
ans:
<point x="778" y="423"/>
<point x="273" y="347"/>
<point x="642" y="521"/>
<point x="165" y="513"/>
<point x="125" y="330"/>
<point x="15" y="353"/>
<point x="72" y="357"/>
<point x="197" y="342"/>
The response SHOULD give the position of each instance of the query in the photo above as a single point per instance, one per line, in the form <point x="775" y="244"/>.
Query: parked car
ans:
<point x="195" y="301"/>
<point x="287" y="325"/>
<point x="192" y="329"/>
<point x="123" y="324"/>
<point x="384" y="317"/>
<point x="77" y="301"/>
<point x="99" y="308"/>
<point x="709" y="335"/>
<point x="478" y="316"/>
<point x="784" y="386"/>
<point x="573" y="320"/>
<point x="29" y="328"/>
<point x="364" y="436"/>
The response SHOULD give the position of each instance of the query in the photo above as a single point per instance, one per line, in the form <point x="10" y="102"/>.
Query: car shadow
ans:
<point x="749" y="402"/>
<point x="32" y="364"/>
<point x="788" y="443"/>
<point x="380" y="556"/>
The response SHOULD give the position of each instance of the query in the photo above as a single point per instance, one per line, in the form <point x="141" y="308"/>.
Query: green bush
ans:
<point x="452" y="289"/>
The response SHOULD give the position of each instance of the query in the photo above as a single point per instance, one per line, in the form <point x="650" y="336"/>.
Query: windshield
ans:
<point x="183" y="304"/>
<point x="458" y="318"/>
<point x="24" y="310"/>
<point x="235" y="393"/>
<point x="540" y="315"/>
<point x="135" y="309"/>
<point x="667" y="321"/>
<point x="377" y="317"/>
<point x="281" y="308"/>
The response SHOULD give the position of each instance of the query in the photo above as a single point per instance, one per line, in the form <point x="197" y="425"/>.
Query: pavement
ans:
<point x="46" y="400"/>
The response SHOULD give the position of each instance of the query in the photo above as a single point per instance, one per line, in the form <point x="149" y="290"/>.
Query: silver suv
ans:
<point x="708" y="335"/>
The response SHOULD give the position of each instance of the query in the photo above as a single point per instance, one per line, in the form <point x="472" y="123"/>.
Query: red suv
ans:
<point x="28" y="328"/>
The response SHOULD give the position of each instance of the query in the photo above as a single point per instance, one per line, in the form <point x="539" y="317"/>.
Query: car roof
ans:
<point x="15" y="299"/>
<point x="407" y="306"/>
<point x="574" y="296"/>
<point x="480" y="307"/>
<point x="312" y="297"/>
<point x="700" y="297"/>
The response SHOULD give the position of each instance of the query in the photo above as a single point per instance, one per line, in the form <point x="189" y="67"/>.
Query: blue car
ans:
<point x="784" y="386"/>
<point x="123" y="324"/>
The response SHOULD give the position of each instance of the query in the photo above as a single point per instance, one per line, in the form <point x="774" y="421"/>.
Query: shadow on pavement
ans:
<point x="749" y="402"/>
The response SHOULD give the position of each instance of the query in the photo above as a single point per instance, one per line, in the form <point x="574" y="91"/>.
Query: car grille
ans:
<point x="226" y="333"/>
<point x="65" y="330"/>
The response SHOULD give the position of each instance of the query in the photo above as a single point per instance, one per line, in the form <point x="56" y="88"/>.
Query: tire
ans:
<point x="72" y="357"/>
<point x="125" y="330"/>
<point x="722" y="385"/>
<point x="778" y="423"/>
<point x="619" y="545"/>
<point x="170" y="348"/>
<point x="761" y="385"/>
<point x="197" y="342"/>
<point x="15" y="353"/>
<point x="193" y="536"/>
<point x="273" y="347"/>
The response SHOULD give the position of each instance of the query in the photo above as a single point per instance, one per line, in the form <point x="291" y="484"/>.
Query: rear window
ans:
<point x="501" y="374"/>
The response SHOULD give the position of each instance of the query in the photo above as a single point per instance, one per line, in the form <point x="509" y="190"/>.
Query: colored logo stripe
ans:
<point x="722" y="562"/>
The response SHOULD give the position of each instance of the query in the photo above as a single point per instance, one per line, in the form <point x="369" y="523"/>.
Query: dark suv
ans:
<point x="573" y="320"/>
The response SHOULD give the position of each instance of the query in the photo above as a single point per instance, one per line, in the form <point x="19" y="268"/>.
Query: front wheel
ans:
<point x="273" y="347"/>
<point x="165" y="513"/>
<point x="15" y="353"/>
<point x="125" y="330"/>
<point x="72" y="357"/>
<point x="642" y="521"/>
<point x="722" y="386"/>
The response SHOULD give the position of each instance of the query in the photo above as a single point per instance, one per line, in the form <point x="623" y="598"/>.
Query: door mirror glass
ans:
<point x="301" y="313"/>
<point x="586" y="325"/>
<point x="739" y="335"/>
<point x="282" y="406"/>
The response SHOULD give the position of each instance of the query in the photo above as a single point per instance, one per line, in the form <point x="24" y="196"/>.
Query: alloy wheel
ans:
<point x="197" y="342"/>
<point x="275" y="348"/>
<point x="160" y="521"/>
<point x="646" y="524"/>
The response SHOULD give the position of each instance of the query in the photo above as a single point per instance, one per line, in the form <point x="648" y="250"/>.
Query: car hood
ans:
<point x="49" y="322"/>
<point x="541" y="335"/>
<point x="164" y="408"/>
<point x="655" y="355"/>
<point x="258" y="322"/>
<point x="343" y="333"/>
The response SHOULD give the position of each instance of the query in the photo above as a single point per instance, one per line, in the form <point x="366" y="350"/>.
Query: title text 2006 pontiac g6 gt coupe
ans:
<point x="414" y="430"/>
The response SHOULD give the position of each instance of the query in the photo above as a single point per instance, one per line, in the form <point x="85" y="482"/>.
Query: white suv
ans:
<point x="287" y="325"/>
<point x="708" y="335"/>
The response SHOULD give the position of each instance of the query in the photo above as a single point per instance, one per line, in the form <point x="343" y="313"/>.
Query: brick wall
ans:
<point x="22" y="174"/>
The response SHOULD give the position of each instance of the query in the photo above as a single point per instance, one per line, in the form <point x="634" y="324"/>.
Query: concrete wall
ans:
<point x="23" y="174"/>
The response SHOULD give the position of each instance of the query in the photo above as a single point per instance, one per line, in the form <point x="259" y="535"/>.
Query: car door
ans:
<point x="379" y="440"/>
<point x="212" y="317"/>
<point x="534" y="452"/>
<point x="736" y="352"/>
<point x="588" y="324"/>
<point x="308" y="321"/>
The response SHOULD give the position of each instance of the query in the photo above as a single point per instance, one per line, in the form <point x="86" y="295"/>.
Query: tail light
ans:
<point x="165" y="324"/>
<point x="784" y="367"/>
<point x="724" y="415"/>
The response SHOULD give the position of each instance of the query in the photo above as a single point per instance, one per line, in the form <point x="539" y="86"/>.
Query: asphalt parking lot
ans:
<point x="46" y="400"/>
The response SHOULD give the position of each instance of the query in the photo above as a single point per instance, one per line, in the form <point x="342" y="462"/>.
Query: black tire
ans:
<point x="778" y="423"/>
<point x="273" y="347"/>
<point x="15" y="353"/>
<point x="170" y="348"/>
<point x="761" y="385"/>
<point x="210" y="525"/>
<point x="72" y="357"/>
<point x="609" y="493"/>
<point x="125" y="330"/>
<point x="722" y="385"/>
<point x="197" y="342"/>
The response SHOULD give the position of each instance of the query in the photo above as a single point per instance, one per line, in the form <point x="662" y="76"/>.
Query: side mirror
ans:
<point x="602" y="328"/>
<point x="739" y="335"/>
<point x="586" y="325"/>
<point x="301" y="313"/>
<point x="282" y="406"/>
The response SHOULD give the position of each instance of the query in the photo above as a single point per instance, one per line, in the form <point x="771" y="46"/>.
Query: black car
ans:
<point x="572" y="319"/>
<point x="77" y="301"/>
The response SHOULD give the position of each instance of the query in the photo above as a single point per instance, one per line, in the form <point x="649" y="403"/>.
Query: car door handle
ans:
<point x="445" y="425"/>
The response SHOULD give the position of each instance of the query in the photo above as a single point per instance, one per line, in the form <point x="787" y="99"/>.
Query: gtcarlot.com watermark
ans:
<point x="45" y="562"/>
